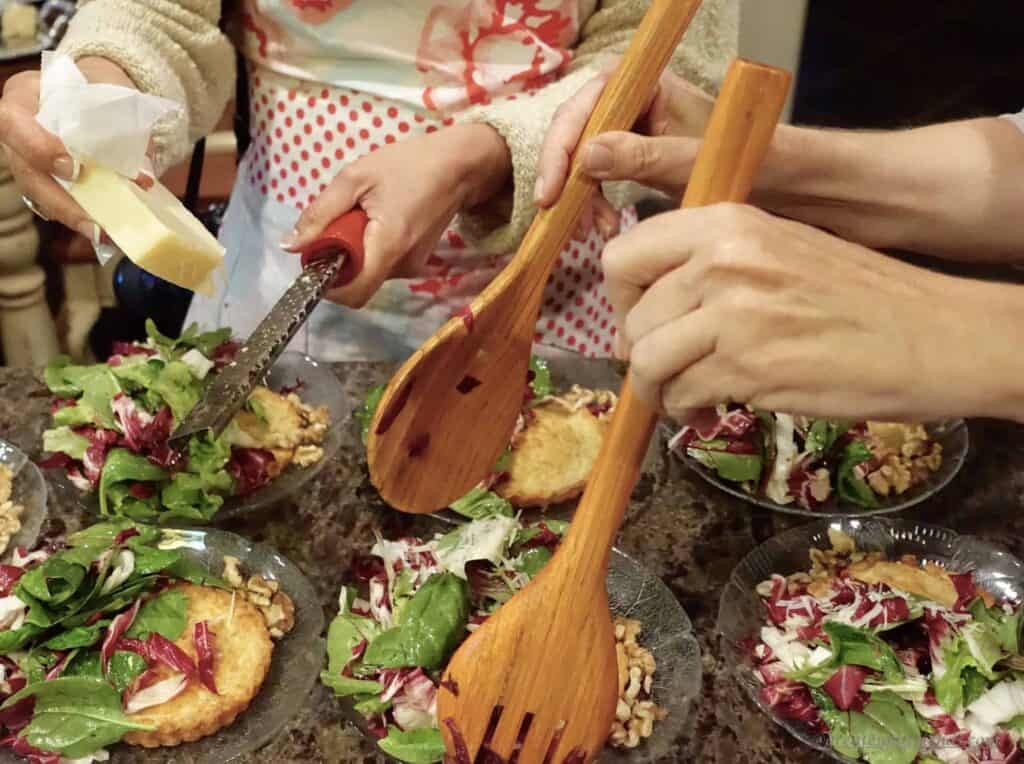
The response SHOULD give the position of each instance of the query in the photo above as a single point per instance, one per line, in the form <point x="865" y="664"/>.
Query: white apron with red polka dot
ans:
<point x="302" y="136"/>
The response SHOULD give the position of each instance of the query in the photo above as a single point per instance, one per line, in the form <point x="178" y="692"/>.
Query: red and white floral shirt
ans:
<point x="332" y="80"/>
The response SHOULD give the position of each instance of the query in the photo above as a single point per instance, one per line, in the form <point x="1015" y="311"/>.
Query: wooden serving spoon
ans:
<point x="538" y="681"/>
<point x="448" y="413"/>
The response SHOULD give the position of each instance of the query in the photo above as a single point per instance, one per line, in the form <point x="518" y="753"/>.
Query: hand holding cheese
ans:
<point x="92" y="148"/>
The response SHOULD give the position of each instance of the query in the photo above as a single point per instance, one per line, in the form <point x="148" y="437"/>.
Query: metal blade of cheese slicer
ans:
<point x="332" y="260"/>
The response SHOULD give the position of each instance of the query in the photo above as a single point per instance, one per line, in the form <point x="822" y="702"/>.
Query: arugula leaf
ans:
<point x="430" y="627"/>
<point x="15" y="639"/>
<point x="178" y="388"/>
<point x="86" y="664"/>
<point x="364" y="414"/>
<point x="189" y="570"/>
<point x="849" y="486"/>
<point x="165" y="614"/>
<point x="61" y="440"/>
<point x="95" y="385"/>
<point x="824" y="433"/>
<point x="422" y="746"/>
<point x="193" y="496"/>
<point x="123" y="669"/>
<point x="74" y="716"/>
<point x="480" y="503"/>
<point x="1006" y="626"/>
<point x="541" y="381"/>
<point x="970" y="665"/>
<point x="838" y="723"/>
<point x="137" y="372"/>
<point x="149" y="560"/>
<point x="124" y="466"/>
<point x="344" y="686"/>
<point x="532" y="560"/>
<point x="738" y="468"/>
<point x="346" y="631"/>
<point x="113" y="601"/>
<point x="858" y="647"/>
<point x="61" y="377"/>
<point x="52" y="582"/>
<point x="78" y="637"/>
<point x="887" y="732"/>
<point x="371" y="705"/>
<point x="504" y="461"/>
<point x="36" y="663"/>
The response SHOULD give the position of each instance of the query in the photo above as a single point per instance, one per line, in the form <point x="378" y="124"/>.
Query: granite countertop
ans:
<point x="681" y="529"/>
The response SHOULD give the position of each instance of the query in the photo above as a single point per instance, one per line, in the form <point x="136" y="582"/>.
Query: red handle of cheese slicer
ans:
<point x="343" y="237"/>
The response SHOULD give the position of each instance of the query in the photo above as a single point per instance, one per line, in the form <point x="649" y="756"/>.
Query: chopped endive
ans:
<point x="151" y="226"/>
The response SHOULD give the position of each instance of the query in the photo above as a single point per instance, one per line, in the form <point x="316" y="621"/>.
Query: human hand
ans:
<point x="728" y="304"/>
<point x="35" y="155"/>
<point x="674" y="120"/>
<point x="410" y="191"/>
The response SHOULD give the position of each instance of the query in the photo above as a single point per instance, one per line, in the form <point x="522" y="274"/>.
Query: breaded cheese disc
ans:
<point x="553" y="457"/>
<point x="242" y="650"/>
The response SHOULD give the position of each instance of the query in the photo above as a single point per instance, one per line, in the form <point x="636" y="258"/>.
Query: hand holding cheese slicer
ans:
<point x="333" y="260"/>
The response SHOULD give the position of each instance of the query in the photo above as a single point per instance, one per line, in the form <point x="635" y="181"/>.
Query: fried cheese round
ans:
<point x="242" y="650"/>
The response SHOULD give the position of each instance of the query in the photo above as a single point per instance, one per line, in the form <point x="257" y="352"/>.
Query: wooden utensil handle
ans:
<point x="619" y="107"/>
<point x="735" y="143"/>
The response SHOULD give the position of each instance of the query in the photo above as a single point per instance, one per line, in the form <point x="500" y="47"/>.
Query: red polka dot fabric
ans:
<point x="303" y="135"/>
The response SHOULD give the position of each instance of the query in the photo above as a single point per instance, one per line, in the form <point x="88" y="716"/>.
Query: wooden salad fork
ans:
<point x="449" y="411"/>
<point x="538" y="681"/>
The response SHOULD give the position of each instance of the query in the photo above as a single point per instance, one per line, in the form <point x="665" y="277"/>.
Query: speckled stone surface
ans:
<point x="683" y="530"/>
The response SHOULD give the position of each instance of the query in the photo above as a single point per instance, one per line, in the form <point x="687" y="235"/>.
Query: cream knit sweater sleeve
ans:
<point x="170" y="48"/>
<point x="175" y="49"/>
<point x="702" y="57"/>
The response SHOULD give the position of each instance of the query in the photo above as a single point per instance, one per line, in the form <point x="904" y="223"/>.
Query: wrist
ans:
<point x="978" y="369"/>
<point x="483" y="162"/>
<point x="103" y="70"/>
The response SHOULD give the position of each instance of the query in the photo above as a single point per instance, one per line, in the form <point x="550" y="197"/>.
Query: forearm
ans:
<point x="950" y="190"/>
<point x="971" y="349"/>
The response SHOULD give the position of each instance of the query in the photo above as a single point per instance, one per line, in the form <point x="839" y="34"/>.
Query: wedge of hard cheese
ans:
<point x="151" y="227"/>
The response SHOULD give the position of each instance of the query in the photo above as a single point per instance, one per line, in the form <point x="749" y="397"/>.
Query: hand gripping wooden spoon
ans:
<point x="448" y="413"/>
<point x="538" y="681"/>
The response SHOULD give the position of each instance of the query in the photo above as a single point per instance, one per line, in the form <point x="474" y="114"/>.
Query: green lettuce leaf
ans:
<point x="850" y="487"/>
<point x="178" y="388"/>
<point x="541" y="382"/>
<point x="423" y="746"/>
<point x="738" y="468"/>
<point x="1006" y="626"/>
<point x="123" y="466"/>
<point x="366" y="411"/>
<point x="429" y="628"/>
<point x="970" y="667"/>
<point x="61" y="440"/>
<point x="824" y="433"/>
<point x="480" y="503"/>
<point x="165" y="614"/>
<point x="74" y="716"/>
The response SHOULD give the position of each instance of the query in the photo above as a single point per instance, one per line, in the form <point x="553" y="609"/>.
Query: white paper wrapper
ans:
<point x="108" y="125"/>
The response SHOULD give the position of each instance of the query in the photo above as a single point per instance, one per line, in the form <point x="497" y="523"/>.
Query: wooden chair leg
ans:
<point x="27" y="330"/>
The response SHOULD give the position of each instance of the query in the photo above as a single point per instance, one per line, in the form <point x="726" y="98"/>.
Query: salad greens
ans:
<point x="892" y="676"/>
<point x="83" y="623"/>
<point x="414" y="603"/>
<point x="111" y="423"/>
<point x="808" y="461"/>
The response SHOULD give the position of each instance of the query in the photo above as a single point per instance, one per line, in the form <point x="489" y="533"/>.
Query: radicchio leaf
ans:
<point x="9" y="575"/>
<point x="844" y="686"/>
<point x="250" y="467"/>
<point x="157" y="694"/>
<point x="117" y="627"/>
<point x="202" y="637"/>
<point x="21" y="747"/>
<point x="143" y="432"/>
<point x="158" y="649"/>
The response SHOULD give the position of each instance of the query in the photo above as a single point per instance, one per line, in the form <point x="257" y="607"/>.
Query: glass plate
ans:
<point x="741" y="614"/>
<point x="296" y="664"/>
<point x="28" y="490"/>
<point x="668" y="634"/>
<point x="321" y="388"/>
<point x="951" y="434"/>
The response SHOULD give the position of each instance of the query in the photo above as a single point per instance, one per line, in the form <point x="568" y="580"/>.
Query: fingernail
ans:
<point x="91" y="231"/>
<point x="538" y="189"/>
<point x="66" y="168"/>
<point x="597" y="159"/>
<point x="290" y="239"/>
